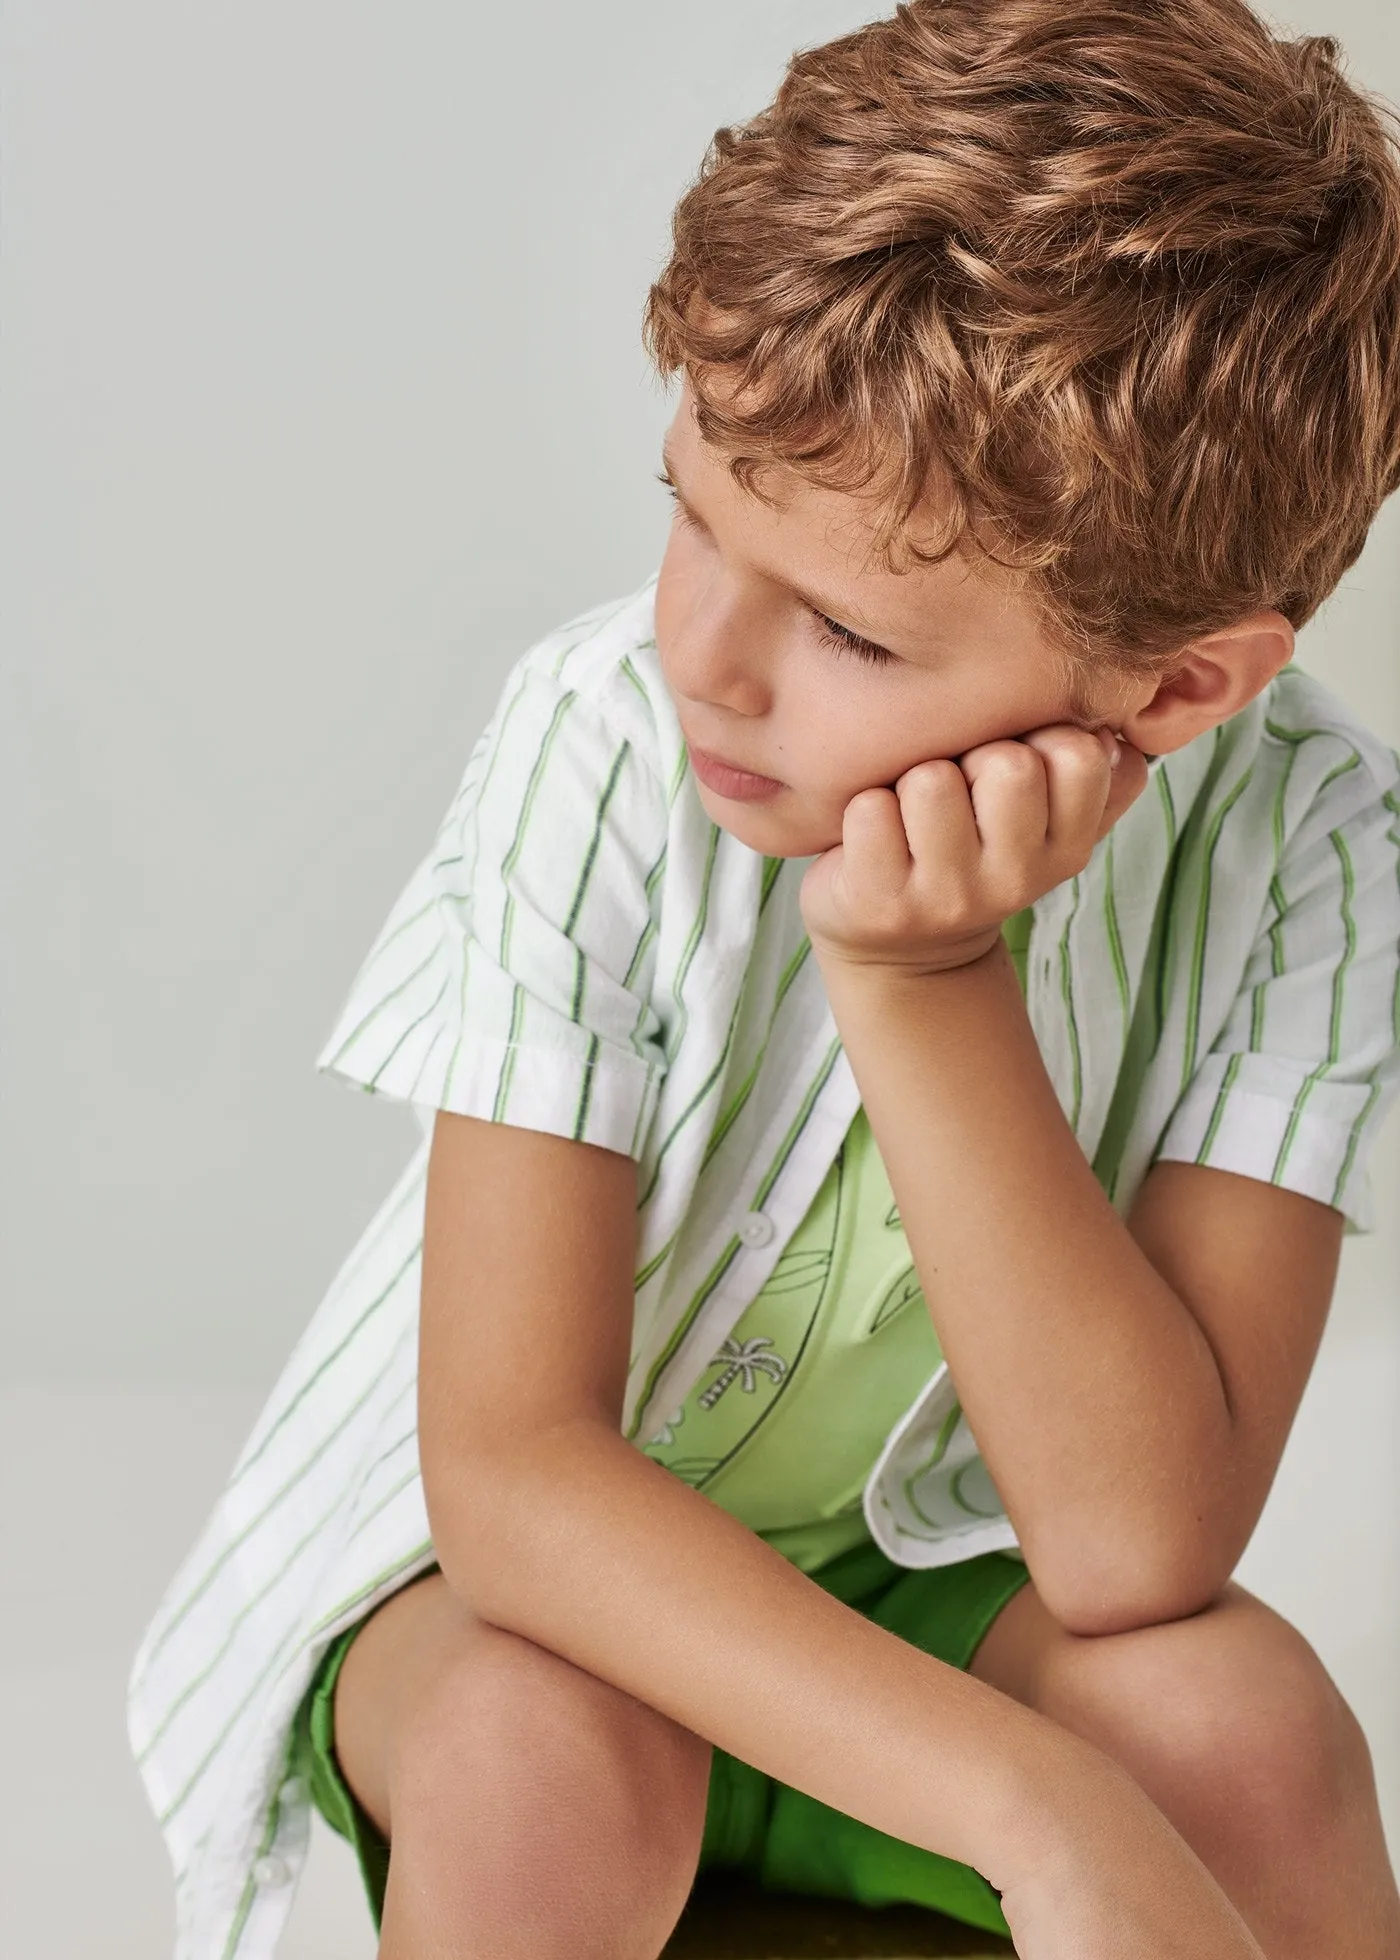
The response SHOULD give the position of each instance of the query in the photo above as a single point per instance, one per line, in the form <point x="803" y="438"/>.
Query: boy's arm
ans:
<point x="1130" y="1387"/>
<point x="546" y="1521"/>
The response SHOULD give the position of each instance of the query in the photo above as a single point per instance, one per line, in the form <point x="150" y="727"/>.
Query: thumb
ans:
<point x="1126" y="784"/>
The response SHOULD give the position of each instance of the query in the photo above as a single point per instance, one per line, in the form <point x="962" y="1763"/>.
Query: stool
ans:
<point x="730" y="1917"/>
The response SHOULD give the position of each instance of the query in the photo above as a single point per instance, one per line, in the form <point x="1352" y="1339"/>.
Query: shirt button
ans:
<point x="293" y="1790"/>
<point x="757" y="1228"/>
<point x="272" y="1871"/>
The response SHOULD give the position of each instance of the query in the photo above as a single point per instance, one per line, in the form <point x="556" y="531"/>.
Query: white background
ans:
<point x="323" y="396"/>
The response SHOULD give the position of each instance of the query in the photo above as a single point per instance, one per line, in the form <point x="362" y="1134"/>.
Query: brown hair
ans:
<point x="1120" y="280"/>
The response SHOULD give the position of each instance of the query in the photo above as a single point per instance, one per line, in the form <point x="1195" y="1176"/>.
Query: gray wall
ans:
<point x="322" y="396"/>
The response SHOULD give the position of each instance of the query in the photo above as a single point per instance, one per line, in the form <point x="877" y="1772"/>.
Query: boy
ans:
<point x="931" y="936"/>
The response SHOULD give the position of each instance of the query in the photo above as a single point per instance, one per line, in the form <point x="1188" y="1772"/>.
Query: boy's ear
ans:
<point x="1218" y="675"/>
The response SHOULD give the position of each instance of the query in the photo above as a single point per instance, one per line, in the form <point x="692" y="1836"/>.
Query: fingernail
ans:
<point x="1115" y="754"/>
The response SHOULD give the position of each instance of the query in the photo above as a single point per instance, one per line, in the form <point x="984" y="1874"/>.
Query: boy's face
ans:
<point x="759" y="681"/>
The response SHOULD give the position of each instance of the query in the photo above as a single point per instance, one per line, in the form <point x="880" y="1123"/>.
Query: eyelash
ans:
<point x="841" y="638"/>
<point x="845" y="641"/>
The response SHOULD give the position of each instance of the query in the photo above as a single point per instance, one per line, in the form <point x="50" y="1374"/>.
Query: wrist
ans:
<point x="985" y="953"/>
<point x="1048" y="1793"/>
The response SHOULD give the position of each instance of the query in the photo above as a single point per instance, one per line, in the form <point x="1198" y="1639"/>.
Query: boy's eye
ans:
<point x="834" y="634"/>
<point x="680" y="510"/>
<point x="845" y="641"/>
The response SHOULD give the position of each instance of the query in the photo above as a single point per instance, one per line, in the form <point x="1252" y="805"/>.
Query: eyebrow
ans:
<point x="808" y="599"/>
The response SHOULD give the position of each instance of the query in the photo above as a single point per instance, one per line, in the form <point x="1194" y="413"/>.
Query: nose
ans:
<point x="715" y="656"/>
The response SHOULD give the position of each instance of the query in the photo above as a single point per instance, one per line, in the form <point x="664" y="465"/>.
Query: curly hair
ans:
<point x="1108" y="290"/>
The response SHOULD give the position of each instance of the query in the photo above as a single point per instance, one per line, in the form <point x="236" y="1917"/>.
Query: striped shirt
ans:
<point x="584" y="952"/>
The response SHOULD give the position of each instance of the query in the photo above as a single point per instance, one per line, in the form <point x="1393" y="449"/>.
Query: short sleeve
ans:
<point x="512" y="980"/>
<point x="1296" y="1086"/>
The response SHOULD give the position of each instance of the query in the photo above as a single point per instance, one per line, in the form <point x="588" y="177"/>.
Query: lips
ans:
<point x="727" y="778"/>
<point x="736" y="768"/>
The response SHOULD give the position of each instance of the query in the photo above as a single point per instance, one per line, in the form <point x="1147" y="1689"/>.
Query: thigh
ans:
<point x="1018" y="1645"/>
<point x="415" y="1630"/>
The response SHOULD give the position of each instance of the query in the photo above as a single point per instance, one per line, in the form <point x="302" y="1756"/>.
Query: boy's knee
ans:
<point x="527" y="1730"/>
<point x="1232" y="1712"/>
<point x="1274" y="1749"/>
<point x="499" y="1699"/>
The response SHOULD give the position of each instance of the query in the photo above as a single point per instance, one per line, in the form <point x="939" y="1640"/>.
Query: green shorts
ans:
<point x="786" y="1841"/>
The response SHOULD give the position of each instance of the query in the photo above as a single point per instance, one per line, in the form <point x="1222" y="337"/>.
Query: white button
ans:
<point x="757" y="1228"/>
<point x="272" y="1871"/>
<point x="293" y="1791"/>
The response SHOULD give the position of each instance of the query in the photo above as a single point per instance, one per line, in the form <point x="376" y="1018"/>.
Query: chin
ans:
<point x="762" y="829"/>
<point x="775" y="840"/>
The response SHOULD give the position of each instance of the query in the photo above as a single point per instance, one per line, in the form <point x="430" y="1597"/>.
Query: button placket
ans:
<point x="271" y="1871"/>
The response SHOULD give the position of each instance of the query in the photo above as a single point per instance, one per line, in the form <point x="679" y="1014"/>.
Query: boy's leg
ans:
<point x="1231" y="1724"/>
<point x="533" y="1808"/>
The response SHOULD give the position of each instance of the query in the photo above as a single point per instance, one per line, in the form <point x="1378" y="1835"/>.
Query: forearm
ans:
<point x="585" y="1546"/>
<point x="1090" y="1387"/>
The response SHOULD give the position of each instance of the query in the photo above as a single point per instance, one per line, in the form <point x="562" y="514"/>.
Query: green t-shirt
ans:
<point x="785" y="1424"/>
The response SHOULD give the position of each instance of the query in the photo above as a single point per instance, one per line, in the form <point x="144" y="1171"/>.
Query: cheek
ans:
<point x="666" y="593"/>
<point x="870" y="742"/>
<point x="676" y="583"/>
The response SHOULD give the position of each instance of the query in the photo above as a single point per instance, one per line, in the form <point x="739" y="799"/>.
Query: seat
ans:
<point x="730" y="1917"/>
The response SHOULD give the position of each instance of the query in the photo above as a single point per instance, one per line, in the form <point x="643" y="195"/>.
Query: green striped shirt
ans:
<point x="584" y="952"/>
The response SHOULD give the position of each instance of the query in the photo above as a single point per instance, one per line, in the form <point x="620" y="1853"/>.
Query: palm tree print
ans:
<point x="742" y="1358"/>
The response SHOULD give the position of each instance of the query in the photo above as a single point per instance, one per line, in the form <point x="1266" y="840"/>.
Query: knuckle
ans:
<point x="939" y="777"/>
<point x="957" y="911"/>
<point x="1008" y="896"/>
<point x="1072" y="747"/>
<point x="888" y="924"/>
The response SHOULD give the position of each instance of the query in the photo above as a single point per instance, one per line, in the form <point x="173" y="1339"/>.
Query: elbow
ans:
<point x="475" y="1521"/>
<point x="1119" y="1590"/>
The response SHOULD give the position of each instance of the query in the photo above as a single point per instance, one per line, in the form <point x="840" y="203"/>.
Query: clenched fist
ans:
<point x="927" y="873"/>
